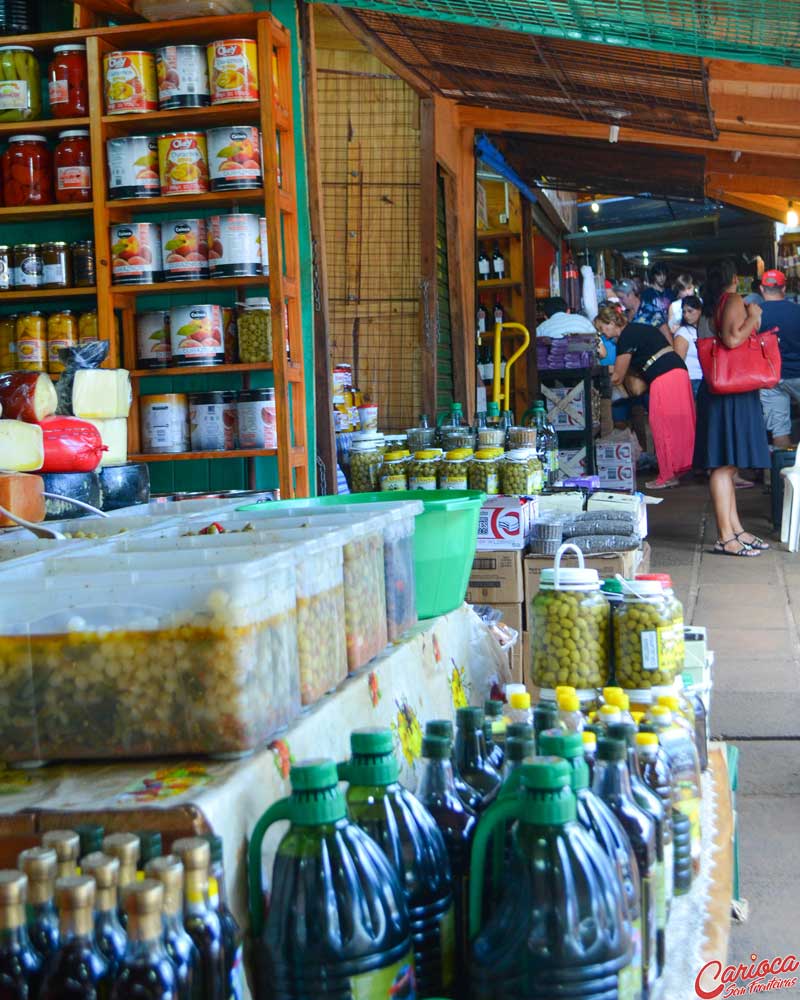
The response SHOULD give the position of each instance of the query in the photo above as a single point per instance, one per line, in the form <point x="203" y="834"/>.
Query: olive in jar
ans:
<point x="484" y="470"/>
<point x="569" y="639"/>
<point x="254" y="325"/>
<point x="366" y="459"/>
<point x="644" y="639"/>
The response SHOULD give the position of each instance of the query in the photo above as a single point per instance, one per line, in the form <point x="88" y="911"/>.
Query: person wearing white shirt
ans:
<point x="685" y="339"/>
<point x="681" y="288"/>
<point x="560" y="322"/>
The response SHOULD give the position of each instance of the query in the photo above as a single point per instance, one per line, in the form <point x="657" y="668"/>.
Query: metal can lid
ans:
<point x="26" y="136"/>
<point x="255" y="395"/>
<point x="213" y="396"/>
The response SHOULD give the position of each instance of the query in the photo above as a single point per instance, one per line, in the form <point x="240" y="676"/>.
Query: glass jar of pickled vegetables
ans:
<point x="87" y="328"/>
<point x="644" y="637"/>
<point x="62" y="331"/>
<point x="521" y="473"/>
<point x="394" y="471"/>
<point x="454" y="469"/>
<point x="27" y="168"/>
<point x="484" y="470"/>
<point x="30" y="337"/>
<point x="366" y="459"/>
<point x="675" y="610"/>
<point x="73" y="166"/>
<point x="27" y="266"/>
<point x="67" y="82"/>
<point x="254" y="324"/>
<point x="83" y="270"/>
<point x="423" y="469"/>
<point x="22" y="89"/>
<point x="569" y="629"/>
<point x="8" y="350"/>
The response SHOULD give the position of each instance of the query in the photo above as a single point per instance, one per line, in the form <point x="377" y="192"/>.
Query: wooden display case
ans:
<point x="276" y="201"/>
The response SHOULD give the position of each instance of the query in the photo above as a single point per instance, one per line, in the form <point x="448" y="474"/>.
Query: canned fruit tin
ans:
<point x="133" y="167"/>
<point x="165" y="423"/>
<point x="212" y="420"/>
<point x="234" y="157"/>
<point x="130" y="82"/>
<point x="197" y="335"/>
<point x="152" y="339"/>
<point x="184" y="249"/>
<point x="182" y="163"/>
<point x="233" y="70"/>
<point x="233" y="246"/>
<point x="182" y="73"/>
<point x="255" y="409"/>
<point x="136" y="253"/>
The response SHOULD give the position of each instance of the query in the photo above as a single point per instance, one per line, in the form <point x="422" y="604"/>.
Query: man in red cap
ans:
<point x="778" y="311"/>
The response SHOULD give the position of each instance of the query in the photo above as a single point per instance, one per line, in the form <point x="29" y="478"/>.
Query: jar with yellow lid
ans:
<point x="484" y="470"/>
<point x="394" y="471"/>
<point x="423" y="469"/>
<point x="454" y="469"/>
<point x="521" y="473"/>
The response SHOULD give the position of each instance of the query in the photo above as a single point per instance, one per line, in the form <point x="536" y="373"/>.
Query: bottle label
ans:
<point x="627" y="982"/>
<point x="392" y="482"/>
<point x="537" y="481"/>
<point x="483" y="267"/>
<point x="422" y="482"/>
<point x="649" y="963"/>
<point x="447" y="937"/>
<point x="661" y="895"/>
<point x="554" y="462"/>
<point x="454" y="481"/>
<point x="54" y="274"/>
<point x="633" y="973"/>
<point x="388" y="982"/>
<point x="58" y="91"/>
<point x="74" y="178"/>
<point x="482" y="322"/>
<point x="491" y="482"/>
<point x="499" y="267"/>
<point x="689" y="805"/>
<point x="236" y="981"/>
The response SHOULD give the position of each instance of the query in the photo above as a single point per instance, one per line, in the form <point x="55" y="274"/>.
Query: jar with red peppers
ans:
<point x="27" y="168"/>
<point x="73" y="169"/>
<point x="67" y="77"/>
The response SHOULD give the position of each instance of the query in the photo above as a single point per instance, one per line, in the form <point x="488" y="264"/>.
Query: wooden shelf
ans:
<point x="44" y="126"/>
<point x="178" y="287"/>
<point x="240" y="369"/>
<point x="38" y="213"/>
<point x="248" y="196"/>
<point x="188" y="456"/>
<point x="497" y="234"/>
<point x="245" y="113"/>
<point x="499" y="283"/>
<point x="31" y="294"/>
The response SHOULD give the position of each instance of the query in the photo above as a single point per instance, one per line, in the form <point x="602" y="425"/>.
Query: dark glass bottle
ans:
<point x="470" y="756"/>
<point x="201" y="922"/>
<point x="67" y="845"/>
<point x="484" y="266"/>
<point x="457" y="822"/>
<point x="91" y="838"/>
<point x="168" y="870"/>
<point x="231" y="932"/>
<point x="613" y="784"/>
<point x="498" y="263"/>
<point x="20" y="963"/>
<point x="77" y="971"/>
<point x="494" y="731"/>
<point x="444" y="728"/>
<point x="40" y="864"/>
<point x="149" y="848"/>
<point x="411" y="840"/>
<point x="481" y="318"/>
<point x="125" y="848"/>
<point x="146" y="972"/>
<point x="108" y="930"/>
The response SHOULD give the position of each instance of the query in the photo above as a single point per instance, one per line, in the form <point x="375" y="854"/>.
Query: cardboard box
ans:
<point x="505" y="523"/>
<point x="616" y="465"/>
<point x="627" y="564"/>
<point x="566" y="407"/>
<point x="571" y="462"/>
<point x="496" y="578"/>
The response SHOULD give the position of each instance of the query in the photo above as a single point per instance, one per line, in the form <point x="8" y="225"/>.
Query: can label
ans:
<point x="14" y="95"/>
<point x="73" y="178"/>
<point x="234" y="157"/>
<point x="182" y="163"/>
<point x="233" y="245"/>
<point x="135" y="253"/>
<point x="196" y="335"/>
<point x="132" y="167"/>
<point x="152" y="338"/>
<point x="165" y="423"/>
<point x="212" y="426"/>
<point x="184" y="249"/>
<point x="182" y="73"/>
<point x="5" y="274"/>
<point x="130" y="82"/>
<point x="233" y="70"/>
<point x="263" y="246"/>
<point x="257" y="427"/>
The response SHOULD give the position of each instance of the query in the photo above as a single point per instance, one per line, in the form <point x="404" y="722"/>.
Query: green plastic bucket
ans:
<point x="444" y="539"/>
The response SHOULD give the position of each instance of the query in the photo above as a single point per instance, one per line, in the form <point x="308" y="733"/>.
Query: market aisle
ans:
<point x="752" y="611"/>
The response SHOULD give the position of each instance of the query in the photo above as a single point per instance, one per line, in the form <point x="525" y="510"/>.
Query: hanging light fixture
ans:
<point x="792" y="218"/>
<point x="595" y="206"/>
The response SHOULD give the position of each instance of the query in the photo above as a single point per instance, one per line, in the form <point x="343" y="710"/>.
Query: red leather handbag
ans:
<point x="755" y="364"/>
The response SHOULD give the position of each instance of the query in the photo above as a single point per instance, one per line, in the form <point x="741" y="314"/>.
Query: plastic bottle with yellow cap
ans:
<point x="607" y="715"/>
<point x="679" y="717"/>
<point x="570" y="717"/>
<point x="616" y="696"/>
<point x="519" y="708"/>
<point x="590" y="750"/>
<point x="685" y="767"/>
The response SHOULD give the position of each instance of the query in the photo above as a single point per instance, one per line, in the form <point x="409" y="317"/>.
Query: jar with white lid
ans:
<point x="366" y="459"/>
<point x="569" y="619"/>
<point x="521" y="473"/>
<point x="644" y="636"/>
<point x="676" y="611"/>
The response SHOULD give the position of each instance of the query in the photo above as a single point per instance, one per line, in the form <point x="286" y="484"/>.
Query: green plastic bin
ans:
<point x="444" y="539"/>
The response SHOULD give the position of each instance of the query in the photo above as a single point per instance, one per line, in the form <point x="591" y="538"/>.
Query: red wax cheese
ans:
<point x="22" y="495"/>
<point x="71" y="445"/>
<point x="27" y="396"/>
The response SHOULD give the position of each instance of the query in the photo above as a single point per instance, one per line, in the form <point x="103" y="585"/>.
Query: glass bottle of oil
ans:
<point x="40" y="864"/>
<point x="91" y="838"/>
<point x="125" y="848"/>
<point x="20" y="964"/>
<point x="149" y="848"/>
<point x="146" y="972"/>
<point x="67" y="845"/>
<point x="201" y="922"/>
<point x="77" y="971"/>
<point x="168" y="870"/>
<point x="108" y="930"/>
<point x="231" y="932"/>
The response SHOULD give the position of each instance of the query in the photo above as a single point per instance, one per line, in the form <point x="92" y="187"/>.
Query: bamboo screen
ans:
<point x="369" y="144"/>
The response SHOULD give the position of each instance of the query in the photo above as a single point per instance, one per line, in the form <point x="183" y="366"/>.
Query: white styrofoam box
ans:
<point x="505" y="523"/>
<point x="566" y="407"/>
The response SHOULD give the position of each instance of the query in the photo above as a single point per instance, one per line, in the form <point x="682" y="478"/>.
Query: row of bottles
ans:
<point x="491" y="268"/>
<point x="91" y="917"/>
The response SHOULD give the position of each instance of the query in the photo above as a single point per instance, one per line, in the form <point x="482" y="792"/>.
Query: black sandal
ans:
<point x="758" y="543"/>
<point x="744" y="552"/>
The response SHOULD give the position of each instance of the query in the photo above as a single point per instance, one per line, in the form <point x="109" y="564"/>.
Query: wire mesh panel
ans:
<point x="765" y="31"/>
<point x="370" y="166"/>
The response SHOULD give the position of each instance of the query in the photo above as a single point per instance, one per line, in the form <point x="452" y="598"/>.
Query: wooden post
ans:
<point x="461" y="325"/>
<point x="429" y="318"/>
<point x="531" y="365"/>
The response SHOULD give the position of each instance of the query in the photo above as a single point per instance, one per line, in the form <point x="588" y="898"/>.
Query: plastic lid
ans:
<point x="520" y="455"/>
<point x="612" y="586"/>
<point x="514" y="688"/>
<point x="316" y="798"/>
<point x="436" y="747"/>
<point x="589" y="738"/>
<point x="517" y="749"/>
<point x="611" y="750"/>
<point x="26" y="137"/>
<point x="68" y="48"/>
<point x="548" y="784"/>
<point x="643" y="588"/>
<point x="493" y="709"/>
<point x="564" y="689"/>
<point x="469" y="718"/>
<point x="623" y="731"/>
<point x="669" y="701"/>
<point x="546" y="774"/>
<point x="558" y="743"/>
<point x="488" y="454"/>
<point x="569" y="703"/>
<point x="428" y="453"/>
<point x="519" y="731"/>
<point x="72" y="133"/>
<point x="313" y="775"/>
<point x="520" y="700"/>
<point x="662" y="713"/>
<point x="611" y="694"/>
<point x="372" y="741"/>
<point x="647" y="740"/>
<point x="663" y="578"/>
<point x="373" y="761"/>
<point x="493" y="409"/>
<point x="609" y="713"/>
<point x="16" y="48"/>
<point x="538" y="405"/>
<point x="439" y="727"/>
<point x="638" y="716"/>
<point x="396" y="456"/>
<point x="458" y="454"/>
<point x="569" y="576"/>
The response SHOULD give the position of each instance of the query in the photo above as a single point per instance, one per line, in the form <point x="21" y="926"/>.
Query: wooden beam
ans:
<point x="755" y="112"/>
<point x="749" y="164"/>
<point x="773" y="208"/>
<point x="785" y="187"/>
<point x="429" y="311"/>
<point x="751" y="73"/>
<point x="461" y="327"/>
<point x="111" y="8"/>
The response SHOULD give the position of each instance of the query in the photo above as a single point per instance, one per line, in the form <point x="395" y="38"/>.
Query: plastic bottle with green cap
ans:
<point x="494" y="715"/>
<point x="545" y="716"/>
<point x="559" y="929"/>
<point x="457" y="823"/>
<point x="337" y="923"/>
<point x="445" y="728"/>
<point x="655" y="771"/>
<point x="613" y="784"/>
<point x="570" y="717"/>
<point x="647" y="799"/>
<point x="518" y="752"/>
<point x="685" y="767"/>
<point x="414" y="845"/>
<point x="470" y="756"/>
<point x="597" y="818"/>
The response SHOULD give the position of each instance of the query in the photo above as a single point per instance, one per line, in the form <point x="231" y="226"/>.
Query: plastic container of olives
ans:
<point x="521" y="473"/>
<point x="394" y="471"/>
<point x="423" y="469"/>
<point x="569" y="625"/>
<point x="152" y="653"/>
<point x="484" y="470"/>
<point x="454" y="469"/>
<point x="675" y="610"/>
<point x="453" y="437"/>
<point x="645" y="643"/>
<point x="366" y="459"/>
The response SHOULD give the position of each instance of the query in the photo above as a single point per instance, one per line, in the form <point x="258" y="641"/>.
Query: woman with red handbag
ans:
<point x="730" y="424"/>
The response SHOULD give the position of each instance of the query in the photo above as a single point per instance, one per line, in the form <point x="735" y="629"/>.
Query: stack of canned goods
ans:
<point x="47" y="265"/>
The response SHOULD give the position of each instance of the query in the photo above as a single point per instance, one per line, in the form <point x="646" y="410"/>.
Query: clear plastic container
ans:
<point x="675" y="611"/>
<point x="423" y="469"/>
<point x="521" y="437"/>
<point x="491" y="437"/>
<point x="454" y="469"/>
<point x="644" y="637"/>
<point x="366" y="459"/>
<point x="484" y="470"/>
<point x="420" y="438"/>
<point x="547" y="533"/>
<point x="521" y="473"/>
<point x="453" y="437"/>
<point x="149" y="654"/>
<point x="394" y="471"/>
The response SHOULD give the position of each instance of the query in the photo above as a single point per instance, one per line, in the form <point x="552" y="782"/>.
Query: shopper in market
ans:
<point x="685" y="339"/>
<point x="656" y="289"/>
<point x="778" y="311"/>
<point x="560" y="321"/>
<point x="642" y="349"/>
<point x="682" y="288"/>
<point x="642" y="305"/>
<point x="731" y="433"/>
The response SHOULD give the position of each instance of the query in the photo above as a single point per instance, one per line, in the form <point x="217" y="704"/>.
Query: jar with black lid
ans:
<point x="56" y="265"/>
<point x="82" y="257"/>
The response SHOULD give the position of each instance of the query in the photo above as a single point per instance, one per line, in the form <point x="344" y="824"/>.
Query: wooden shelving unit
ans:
<point x="499" y="283"/>
<point x="189" y="456"/>
<point x="497" y="234"/>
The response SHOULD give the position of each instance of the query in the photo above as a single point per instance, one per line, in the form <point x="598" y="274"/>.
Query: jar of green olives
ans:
<point x="394" y="471"/>
<point x="521" y="473"/>
<point x="675" y="611"/>
<point x="454" y="468"/>
<point x="366" y="459"/>
<point x="569" y="629"/>
<point x="254" y="328"/>
<point x="484" y="470"/>
<point x="423" y="469"/>
<point x="644" y="637"/>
